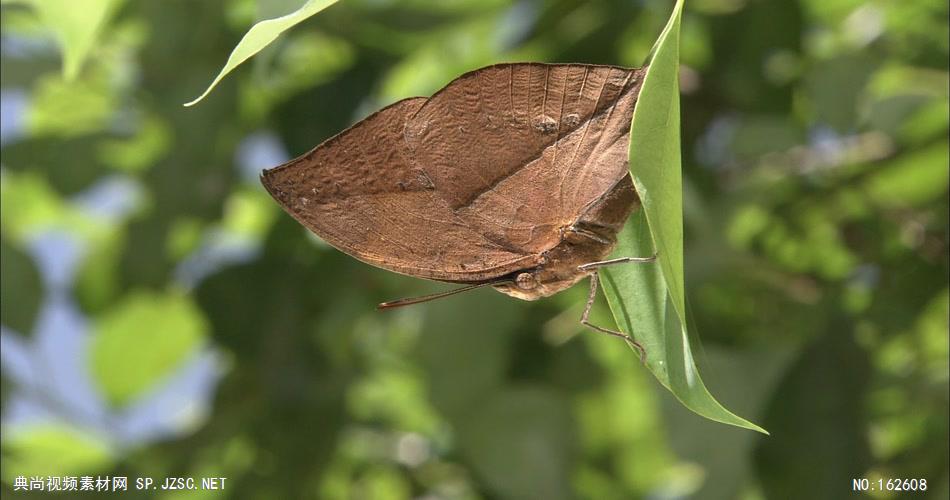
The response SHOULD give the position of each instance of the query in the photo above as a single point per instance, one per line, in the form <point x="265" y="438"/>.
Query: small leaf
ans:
<point x="261" y="35"/>
<point x="649" y="300"/>
<point x="75" y="26"/>
<point x="141" y="341"/>
<point x="20" y="288"/>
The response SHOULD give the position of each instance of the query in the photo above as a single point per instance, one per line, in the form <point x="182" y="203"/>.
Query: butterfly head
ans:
<point x="538" y="283"/>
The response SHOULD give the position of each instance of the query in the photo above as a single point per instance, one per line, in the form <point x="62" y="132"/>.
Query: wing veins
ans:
<point x="580" y="143"/>
<point x="600" y="137"/>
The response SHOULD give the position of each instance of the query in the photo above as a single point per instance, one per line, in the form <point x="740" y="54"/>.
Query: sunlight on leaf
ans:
<point x="911" y="180"/>
<point x="142" y="340"/>
<point x="649" y="300"/>
<point x="29" y="205"/>
<point x="52" y="450"/>
<point x="75" y="26"/>
<point x="261" y="35"/>
<point x="140" y="151"/>
<point x="69" y="109"/>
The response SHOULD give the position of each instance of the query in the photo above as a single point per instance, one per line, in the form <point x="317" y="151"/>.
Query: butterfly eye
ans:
<point x="526" y="281"/>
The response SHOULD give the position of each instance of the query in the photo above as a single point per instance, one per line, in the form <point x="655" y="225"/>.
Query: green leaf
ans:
<point x="649" y="300"/>
<point x="61" y="108"/>
<point x="29" y="205"/>
<point x="75" y="26"/>
<point x="20" y="288"/>
<point x="52" y="450"/>
<point x="261" y="35"/>
<point x="141" y="341"/>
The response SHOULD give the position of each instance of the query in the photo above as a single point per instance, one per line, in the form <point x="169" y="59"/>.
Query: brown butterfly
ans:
<point x="512" y="176"/>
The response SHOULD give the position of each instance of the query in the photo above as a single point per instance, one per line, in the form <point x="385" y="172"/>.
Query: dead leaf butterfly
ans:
<point x="512" y="176"/>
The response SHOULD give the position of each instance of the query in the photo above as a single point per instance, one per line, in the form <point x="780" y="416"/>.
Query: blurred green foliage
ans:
<point x="816" y="169"/>
<point x="166" y="328"/>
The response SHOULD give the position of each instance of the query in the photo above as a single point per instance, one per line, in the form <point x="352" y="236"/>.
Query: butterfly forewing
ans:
<point x="359" y="192"/>
<point x="519" y="149"/>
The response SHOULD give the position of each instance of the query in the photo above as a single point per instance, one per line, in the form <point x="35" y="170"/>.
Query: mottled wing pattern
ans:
<point x="519" y="150"/>
<point x="360" y="193"/>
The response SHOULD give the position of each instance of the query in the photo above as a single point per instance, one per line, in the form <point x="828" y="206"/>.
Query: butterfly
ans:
<point x="513" y="176"/>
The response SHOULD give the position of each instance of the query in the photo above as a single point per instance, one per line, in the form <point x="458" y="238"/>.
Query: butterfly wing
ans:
<point x="360" y="193"/>
<point x="519" y="150"/>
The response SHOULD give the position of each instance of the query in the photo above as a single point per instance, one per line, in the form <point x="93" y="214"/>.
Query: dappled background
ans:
<point x="162" y="317"/>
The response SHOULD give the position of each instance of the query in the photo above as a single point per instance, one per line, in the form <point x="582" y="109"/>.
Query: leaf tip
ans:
<point x="195" y="101"/>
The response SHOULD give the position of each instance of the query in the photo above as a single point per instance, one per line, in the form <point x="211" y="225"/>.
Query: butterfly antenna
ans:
<point x="426" y="298"/>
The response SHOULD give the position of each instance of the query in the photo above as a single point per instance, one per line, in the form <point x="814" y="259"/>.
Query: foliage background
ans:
<point x="162" y="318"/>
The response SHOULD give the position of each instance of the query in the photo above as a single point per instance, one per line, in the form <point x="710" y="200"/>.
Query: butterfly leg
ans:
<point x="584" y="320"/>
<point x="622" y="260"/>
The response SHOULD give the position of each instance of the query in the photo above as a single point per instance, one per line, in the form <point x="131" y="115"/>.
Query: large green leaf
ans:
<point x="649" y="300"/>
<point x="261" y="35"/>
